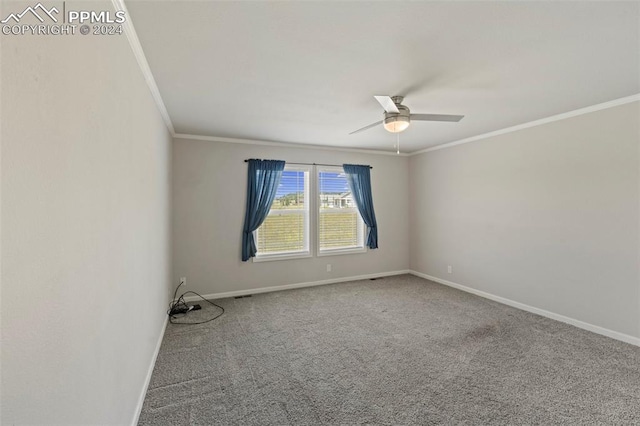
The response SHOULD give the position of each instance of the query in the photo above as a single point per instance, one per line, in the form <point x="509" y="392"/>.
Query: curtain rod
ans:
<point x="313" y="164"/>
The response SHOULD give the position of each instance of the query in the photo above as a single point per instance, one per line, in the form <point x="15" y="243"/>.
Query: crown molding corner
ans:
<point x="136" y="47"/>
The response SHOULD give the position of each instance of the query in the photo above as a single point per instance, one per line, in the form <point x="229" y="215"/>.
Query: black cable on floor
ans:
<point x="180" y="303"/>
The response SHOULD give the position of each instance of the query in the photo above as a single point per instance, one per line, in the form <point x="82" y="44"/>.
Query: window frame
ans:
<point x="361" y="229"/>
<point x="312" y="234"/>
<point x="307" y="242"/>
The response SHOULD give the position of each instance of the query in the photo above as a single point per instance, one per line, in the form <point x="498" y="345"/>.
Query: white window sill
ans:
<point x="338" y="252"/>
<point x="272" y="257"/>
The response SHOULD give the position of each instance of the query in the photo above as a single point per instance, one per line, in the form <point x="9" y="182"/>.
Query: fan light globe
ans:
<point x="396" y="124"/>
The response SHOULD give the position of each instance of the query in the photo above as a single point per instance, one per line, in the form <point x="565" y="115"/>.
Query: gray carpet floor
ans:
<point x="397" y="350"/>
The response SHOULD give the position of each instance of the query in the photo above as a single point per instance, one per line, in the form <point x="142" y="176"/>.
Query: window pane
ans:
<point x="281" y="233"/>
<point x="290" y="193"/>
<point x="285" y="228"/>
<point x="340" y="225"/>
<point x="338" y="228"/>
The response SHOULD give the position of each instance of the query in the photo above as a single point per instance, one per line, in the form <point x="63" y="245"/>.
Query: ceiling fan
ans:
<point x="397" y="117"/>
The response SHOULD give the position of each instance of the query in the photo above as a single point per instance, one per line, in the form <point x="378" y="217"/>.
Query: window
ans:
<point x="305" y="197"/>
<point x="340" y="227"/>
<point x="285" y="231"/>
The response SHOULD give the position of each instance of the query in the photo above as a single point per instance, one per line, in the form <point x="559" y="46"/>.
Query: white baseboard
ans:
<point x="577" y="323"/>
<point x="292" y="286"/>
<point x="149" y="373"/>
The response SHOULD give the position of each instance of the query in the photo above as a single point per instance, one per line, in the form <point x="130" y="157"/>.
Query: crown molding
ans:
<point x="284" y="144"/>
<point x="134" y="42"/>
<point x="136" y="47"/>
<point x="551" y="119"/>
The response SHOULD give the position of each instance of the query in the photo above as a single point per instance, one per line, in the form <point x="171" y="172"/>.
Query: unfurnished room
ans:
<point x="319" y="213"/>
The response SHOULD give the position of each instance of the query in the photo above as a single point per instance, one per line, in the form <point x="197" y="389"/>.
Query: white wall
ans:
<point x="547" y="216"/>
<point x="85" y="193"/>
<point x="209" y="188"/>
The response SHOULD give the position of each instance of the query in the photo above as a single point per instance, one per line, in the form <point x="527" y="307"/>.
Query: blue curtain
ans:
<point x="262" y="184"/>
<point x="359" y="178"/>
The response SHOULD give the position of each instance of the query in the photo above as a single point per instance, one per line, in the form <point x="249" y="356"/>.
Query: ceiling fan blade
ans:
<point x="436" y="117"/>
<point x="387" y="103"/>
<point x="367" y="127"/>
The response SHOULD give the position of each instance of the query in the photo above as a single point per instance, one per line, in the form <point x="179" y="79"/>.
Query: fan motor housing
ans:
<point x="401" y="119"/>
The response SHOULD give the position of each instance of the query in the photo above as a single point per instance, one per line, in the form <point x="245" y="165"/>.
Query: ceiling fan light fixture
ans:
<point x="396" y="123"/>
<point x="397" y="117"/>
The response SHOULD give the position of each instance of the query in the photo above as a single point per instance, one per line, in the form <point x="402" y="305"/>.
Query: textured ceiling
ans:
<point x="306" y="72"/>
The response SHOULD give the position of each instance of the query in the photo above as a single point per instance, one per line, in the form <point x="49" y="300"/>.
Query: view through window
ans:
<point x="286" y="230"/>
<point x="340" y="226"/>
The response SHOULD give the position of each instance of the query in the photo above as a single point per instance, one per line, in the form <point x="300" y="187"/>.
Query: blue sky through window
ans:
<point x="292" y="182"/>
<point x="333" y="182"/>
<point x="330" y="182"/>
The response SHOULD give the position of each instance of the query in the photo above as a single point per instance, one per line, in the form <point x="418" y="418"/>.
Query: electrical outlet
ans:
<point x="328" y="267"/>
<point x="183" y="281"/>
<point x="449" y="269"/>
